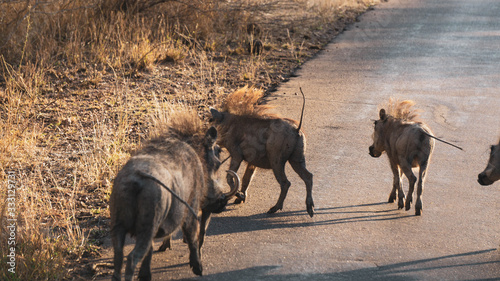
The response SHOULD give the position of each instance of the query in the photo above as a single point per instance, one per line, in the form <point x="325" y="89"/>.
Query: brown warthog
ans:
<point x="264" y="140"/>
<point x="408" y="143"/>
<point x="168" y="184"/>
<point x="492" y="171"/>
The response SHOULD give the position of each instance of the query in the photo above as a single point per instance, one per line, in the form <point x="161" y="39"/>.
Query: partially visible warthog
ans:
<point x="492" y="171"/>
<point x="142" y="205"/>
<point x="250" y="133"/>
<point x="408" y="144"/>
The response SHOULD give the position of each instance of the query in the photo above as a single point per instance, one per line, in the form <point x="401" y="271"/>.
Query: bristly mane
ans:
<point x="183" y="124"/>
<point x="245" y="102"/>
<point x="403" y="110"/>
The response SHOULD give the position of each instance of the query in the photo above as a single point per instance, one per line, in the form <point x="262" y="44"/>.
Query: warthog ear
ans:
<point x="382" y="114"/>
<point x="218" y="116"/>
<point x="211" y="136"/>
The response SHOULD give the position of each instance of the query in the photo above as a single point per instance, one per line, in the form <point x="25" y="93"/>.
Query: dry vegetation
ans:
<point x="83" y="82"/>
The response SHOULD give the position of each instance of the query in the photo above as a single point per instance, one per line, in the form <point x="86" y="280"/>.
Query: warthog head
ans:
<point x="492" y="171"/>
<point x="378" y="146"/>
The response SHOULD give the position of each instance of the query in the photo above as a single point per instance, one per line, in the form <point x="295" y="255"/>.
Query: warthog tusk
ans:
<point x="236" y="185"/>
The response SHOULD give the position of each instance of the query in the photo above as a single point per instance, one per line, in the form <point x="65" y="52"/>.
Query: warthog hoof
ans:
<point x="409" y="200"/>
<point x="418" y="208"/>
<point x="144" y="277"/>
<point x="401" y="204"/>
<point x="274" y="209"/>
<point x="197" y="268"/>
<point x="310" y="210"/>
<point x="165" y="245"/>
<point x="240" y="198"/>
<point x="310" y="207"/>
<point x="392" y="197"/>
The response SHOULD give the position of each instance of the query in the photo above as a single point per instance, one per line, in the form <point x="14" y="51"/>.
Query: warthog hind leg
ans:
<point x="307" y="177"/>
<point x="412" y="180"/>
<point x="247" y="178"/>
<point x="420" y="188"/>
<point x="397" y="187"/>
<point x="142" y="247"/>
<point x="118" y="236"/>
<point x="191" y="232"/>
<point x="145" y="270"/>
<point x="280" y="175"/>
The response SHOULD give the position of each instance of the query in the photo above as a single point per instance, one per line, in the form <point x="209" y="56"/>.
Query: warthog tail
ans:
<point x="455" y="146"/>
<point x="303" y="106"/>
<point x="141" y="173"/>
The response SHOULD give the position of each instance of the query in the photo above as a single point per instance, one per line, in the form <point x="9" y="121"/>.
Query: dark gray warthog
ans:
<point x="492" y="171"/>
<point x="263" y="140"/>
<point x="408" y="143"/>
<point x="142" y="205"/>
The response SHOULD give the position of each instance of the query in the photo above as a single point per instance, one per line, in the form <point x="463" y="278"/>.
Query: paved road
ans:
<point x="445" y="55"/>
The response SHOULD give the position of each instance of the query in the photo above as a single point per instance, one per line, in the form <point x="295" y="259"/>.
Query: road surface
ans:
<point x="443" y="54"/>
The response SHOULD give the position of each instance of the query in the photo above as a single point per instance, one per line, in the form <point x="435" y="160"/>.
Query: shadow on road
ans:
<point x="292" y="219"/>
<point x="475" y="260"/>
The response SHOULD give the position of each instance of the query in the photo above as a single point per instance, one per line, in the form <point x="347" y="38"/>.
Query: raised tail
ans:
<point x="303" y="106"/>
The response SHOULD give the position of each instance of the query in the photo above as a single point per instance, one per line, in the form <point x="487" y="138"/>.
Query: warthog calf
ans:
<point x="492" y="171"/>
<point x="408" y="143"/>
<point x="168" y="184"/>
<point x="263" y="140"/>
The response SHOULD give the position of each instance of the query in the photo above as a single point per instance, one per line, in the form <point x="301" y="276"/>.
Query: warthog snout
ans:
<point x="483" y="179"/>
<point x="220" y="204"/>
<point x="374" y="153"/>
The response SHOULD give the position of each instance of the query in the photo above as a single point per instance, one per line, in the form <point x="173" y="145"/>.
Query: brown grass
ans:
<point x="80" y="80"/>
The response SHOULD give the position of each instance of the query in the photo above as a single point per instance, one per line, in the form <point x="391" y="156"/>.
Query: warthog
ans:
<point x="492" y="171"/>
<point x="408" y="143"/>
<point x="168" y="184"/>
<point x="264" y="140"/>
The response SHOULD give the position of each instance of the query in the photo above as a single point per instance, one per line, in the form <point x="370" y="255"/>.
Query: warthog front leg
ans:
<point x="166" y="244"/>
<point x="247" y="177"/>
<point x="397" y="187"/>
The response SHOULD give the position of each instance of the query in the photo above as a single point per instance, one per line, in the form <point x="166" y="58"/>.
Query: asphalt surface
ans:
<point x="443" y="54"/>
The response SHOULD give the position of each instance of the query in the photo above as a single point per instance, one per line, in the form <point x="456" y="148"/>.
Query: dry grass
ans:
<point x="80" y="81"/>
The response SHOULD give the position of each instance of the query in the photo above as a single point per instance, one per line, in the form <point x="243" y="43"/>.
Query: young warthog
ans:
<point x="408" y="143"/>
<point x="492" y="171"/>
<point x="168" y="184"/>
<point x="263" y="140"/>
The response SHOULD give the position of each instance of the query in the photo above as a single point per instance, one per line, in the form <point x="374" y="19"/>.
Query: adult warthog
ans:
<point x="492" y="171"/>
<point x="408" y="143"/>
<point x="264" y="140"/>
<point x="169" y="183"/>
